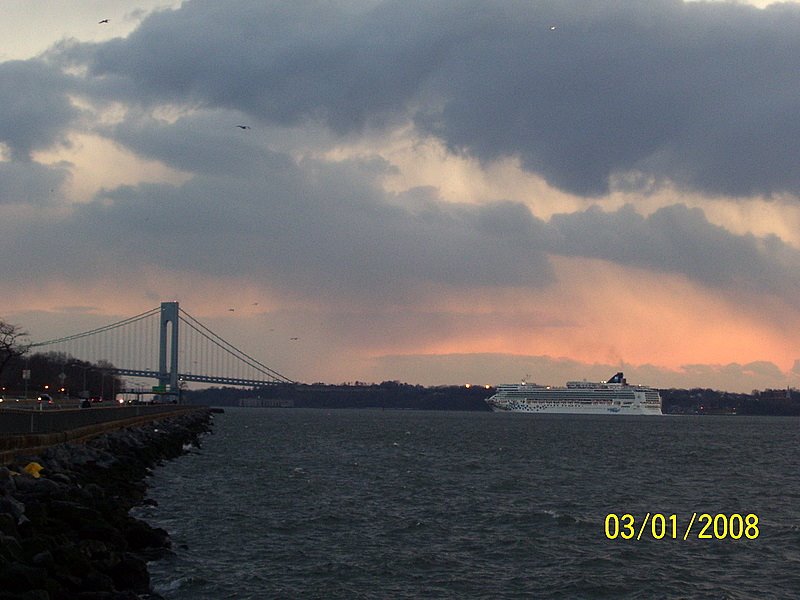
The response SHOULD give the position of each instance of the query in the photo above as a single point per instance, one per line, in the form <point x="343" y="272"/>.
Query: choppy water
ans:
<point x="369" y="504"/>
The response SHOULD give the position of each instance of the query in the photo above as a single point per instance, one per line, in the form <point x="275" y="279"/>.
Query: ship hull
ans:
<point x="539" y="408"/>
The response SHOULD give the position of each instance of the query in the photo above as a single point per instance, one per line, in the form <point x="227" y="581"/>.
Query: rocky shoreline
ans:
<point x="65" y="528"/>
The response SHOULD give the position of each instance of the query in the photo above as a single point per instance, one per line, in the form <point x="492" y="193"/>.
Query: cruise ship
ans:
<point x="612" y="397"/>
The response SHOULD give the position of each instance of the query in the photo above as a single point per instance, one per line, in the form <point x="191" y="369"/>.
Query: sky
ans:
<point x="464" y="191"/>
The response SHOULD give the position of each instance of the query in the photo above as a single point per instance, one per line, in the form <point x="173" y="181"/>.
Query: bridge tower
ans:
<point x="168" y="347"/>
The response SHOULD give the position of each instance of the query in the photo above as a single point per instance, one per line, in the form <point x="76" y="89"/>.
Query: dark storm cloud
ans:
<point x="317" y="228"/>
<point x="678" y="239"/>
<point x="35" y="109"/>
<point x="200" y="143"/>
<point x="696" y="93"/>
<point x="27" y="182"/>
<point x="701" y="94"/>
<point x="284" y="61"/>
<point x="327" y="229"/>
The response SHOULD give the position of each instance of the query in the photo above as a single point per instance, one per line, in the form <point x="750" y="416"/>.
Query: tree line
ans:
<point x="56" y="373"/>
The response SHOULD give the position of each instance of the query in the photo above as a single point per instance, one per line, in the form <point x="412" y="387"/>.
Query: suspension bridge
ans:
<point x="159" y="344"/>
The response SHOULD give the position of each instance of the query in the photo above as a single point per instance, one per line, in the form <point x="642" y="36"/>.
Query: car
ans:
<point x="45" y="399"/>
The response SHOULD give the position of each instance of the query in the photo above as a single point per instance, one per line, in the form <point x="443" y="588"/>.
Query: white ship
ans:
<point x="612" y="397"/>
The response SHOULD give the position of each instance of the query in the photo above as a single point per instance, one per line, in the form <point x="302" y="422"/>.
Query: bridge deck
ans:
<point x="198" y="378"/>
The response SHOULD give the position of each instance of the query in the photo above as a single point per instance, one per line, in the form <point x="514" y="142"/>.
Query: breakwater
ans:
<point x="30" y="431"/>
<point x="65" y="531"/>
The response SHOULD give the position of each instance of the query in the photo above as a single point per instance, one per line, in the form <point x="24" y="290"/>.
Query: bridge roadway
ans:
<point x="197" y="378"/>
<point x="30" y="431"/>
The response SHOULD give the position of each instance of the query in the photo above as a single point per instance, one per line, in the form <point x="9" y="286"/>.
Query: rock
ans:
<point x="74" y="514"/>
<point x="140" y="536"/>
<point x="71" y="565"/>
<point x="7" y="483"/>
<point x="103" y="531"/>
<point x="97" y="493"/>
<point x="32" y="546"/>
<point x="10" y="548"/>
<point x="12" y="506"/>
<point x="131" y="574"/>
<point x="61" y="478"/>
<point x="96" y="581"/>
<point x="29" y="595"/>
<point x="44" y="559"/>
<point x="18" y="577"/>
<point x="8" y="524"/>
<point x="40" y="487"/>
<point x="67" y="534"/>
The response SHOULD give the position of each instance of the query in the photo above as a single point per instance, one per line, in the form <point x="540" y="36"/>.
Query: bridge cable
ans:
<point x="230" y="348"/>
<point x="103" y="329"/>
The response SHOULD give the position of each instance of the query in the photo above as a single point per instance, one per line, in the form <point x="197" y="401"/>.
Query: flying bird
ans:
<point x="103" y="21"/>
<point x="552" y="27"/>
<point x="243" y="126"/>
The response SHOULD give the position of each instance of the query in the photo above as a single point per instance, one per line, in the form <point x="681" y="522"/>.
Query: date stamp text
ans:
<point x="702" y="526"/>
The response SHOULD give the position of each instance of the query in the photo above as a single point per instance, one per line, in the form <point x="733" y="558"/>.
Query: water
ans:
<point x="400" y="504"/>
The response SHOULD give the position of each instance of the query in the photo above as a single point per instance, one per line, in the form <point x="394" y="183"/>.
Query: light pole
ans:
<point x="26" y="376"/>
<point x="84" y="368"/>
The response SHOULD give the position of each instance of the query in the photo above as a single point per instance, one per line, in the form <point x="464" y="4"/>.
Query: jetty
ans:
<point x="29" y="431"/>
<point x="68" y="479"/>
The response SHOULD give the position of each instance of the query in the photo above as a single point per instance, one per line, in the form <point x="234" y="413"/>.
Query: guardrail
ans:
<point x="13" y="421"/>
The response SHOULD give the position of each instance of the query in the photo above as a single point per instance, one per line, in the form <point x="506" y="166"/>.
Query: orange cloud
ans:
<point x="599" y="312"/>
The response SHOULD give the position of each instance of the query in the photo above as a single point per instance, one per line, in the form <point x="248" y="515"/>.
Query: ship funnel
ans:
<point x="617" y="378"/>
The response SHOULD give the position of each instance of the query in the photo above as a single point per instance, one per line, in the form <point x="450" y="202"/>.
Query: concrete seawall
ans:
<point x="30" y="431"/>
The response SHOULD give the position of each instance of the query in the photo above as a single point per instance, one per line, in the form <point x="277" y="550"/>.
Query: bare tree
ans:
<point x="12" y="343"/>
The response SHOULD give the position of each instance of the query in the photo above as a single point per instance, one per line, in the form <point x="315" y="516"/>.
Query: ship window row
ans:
<point x="598" y="395"/>
<point x="561" y="395"/>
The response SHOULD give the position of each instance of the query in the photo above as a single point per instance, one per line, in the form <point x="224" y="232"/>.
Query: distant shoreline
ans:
<point x="394" y="395"/>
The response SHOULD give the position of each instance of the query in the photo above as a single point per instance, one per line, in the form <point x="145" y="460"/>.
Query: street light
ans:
<point x="84" y="393"/>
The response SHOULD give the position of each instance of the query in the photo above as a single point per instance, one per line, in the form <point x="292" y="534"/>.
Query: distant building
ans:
<point x="266" y="402"/>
